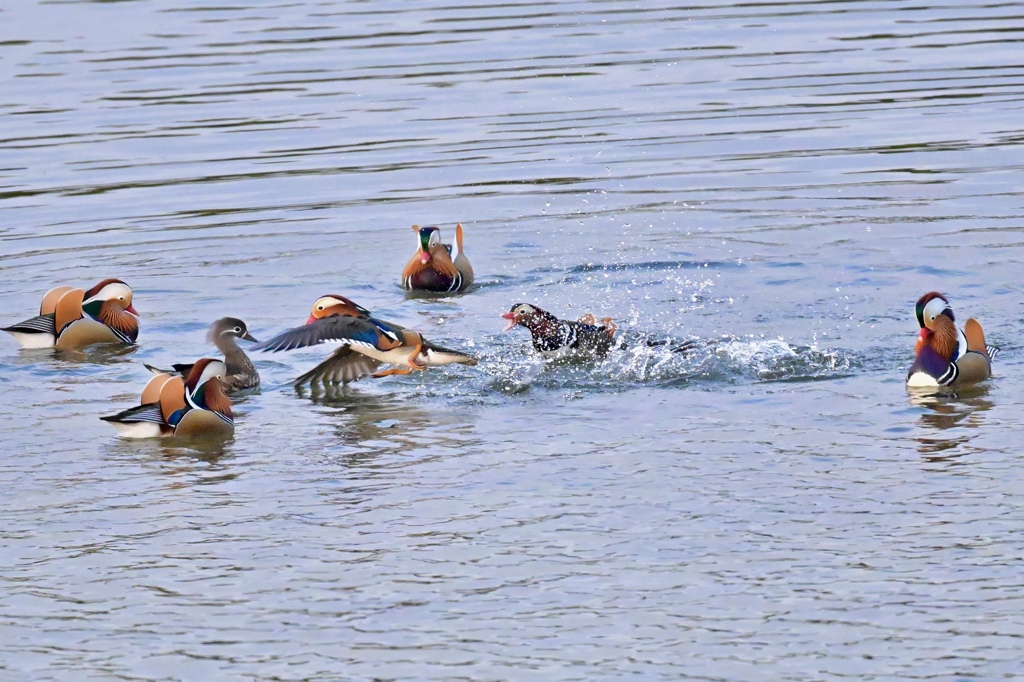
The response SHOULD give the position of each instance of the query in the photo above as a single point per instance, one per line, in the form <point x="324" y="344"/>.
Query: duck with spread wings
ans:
<point x="367" y="344"/>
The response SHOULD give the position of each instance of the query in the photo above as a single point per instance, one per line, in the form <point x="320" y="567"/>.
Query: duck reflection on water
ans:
<point x="373" y="425"/>
<point x="944" y="412"/>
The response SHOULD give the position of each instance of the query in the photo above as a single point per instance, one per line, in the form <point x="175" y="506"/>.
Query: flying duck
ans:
<point x="435" y="266"/>
<point x="224" y="333"/>
<point x="945" y="355"/>
<point x="367" y="344"/>
<point x="71" y="318"/>
<point x="170" y="406"/>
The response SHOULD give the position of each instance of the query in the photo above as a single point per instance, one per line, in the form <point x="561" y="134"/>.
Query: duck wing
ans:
<point x="40" y="324"/>
<point x="589" y="337"/>
<point x="343" y="366"/>
<point x="140" y="413"/>
<point x="181" y="369"/>
<point x="337" y="328"/>
<point x="242" y="374"/>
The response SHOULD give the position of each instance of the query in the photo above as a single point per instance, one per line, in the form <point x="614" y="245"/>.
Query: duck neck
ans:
<point x="943" y="339"/>
<point x="211" y="396"/>
<point x="114" y="316"/>
<point x="227" y="344"/>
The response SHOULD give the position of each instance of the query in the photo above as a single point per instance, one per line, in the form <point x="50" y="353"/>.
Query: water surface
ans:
<point x="780" y="181"/>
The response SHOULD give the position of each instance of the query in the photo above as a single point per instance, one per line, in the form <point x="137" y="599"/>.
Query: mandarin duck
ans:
<point x="367" y="344"/>
<point x="553" y="337"/>
<point x="171" y="406"/>
<point x="945" y="355"/>
<point x="224" y="333"/>
<point x="435" y="266"/>
<point x="72" y="318"/>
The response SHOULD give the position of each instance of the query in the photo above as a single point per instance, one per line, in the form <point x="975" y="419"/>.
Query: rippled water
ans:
<point x="779" y="181"/>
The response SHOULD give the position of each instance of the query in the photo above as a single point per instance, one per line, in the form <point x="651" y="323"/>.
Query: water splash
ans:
<point x="670" y="362"/>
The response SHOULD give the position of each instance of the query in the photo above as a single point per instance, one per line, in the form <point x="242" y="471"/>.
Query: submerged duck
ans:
<point x="224" y="333"/>
<point x="945" y="355"/>
<point x="555" y="337"/>
<point x="170" y="406"/>
<point x="367" y="344"/>
<point x="72" y="318"/>
<point x="435" y="266"/>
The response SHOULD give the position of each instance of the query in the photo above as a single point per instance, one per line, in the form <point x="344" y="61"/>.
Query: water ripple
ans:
<point x="778" y="182"/>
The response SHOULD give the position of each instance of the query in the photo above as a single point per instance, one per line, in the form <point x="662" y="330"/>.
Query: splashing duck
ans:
<point x="367" y="344"/>
<point x="71" y="318"/>
<point x="172" y="406"/>
<point x="945" y="355"/>
<point x="224" y="334"/>
<point x="435" y="266"/>
<point x="553" y="337"/>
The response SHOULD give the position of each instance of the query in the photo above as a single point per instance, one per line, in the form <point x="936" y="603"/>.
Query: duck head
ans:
<point x="112" y="291"/>
<point x="529" y="316"/>
<point x="332" y="304"/>
<point x="204" y="387"/>
<point x="938" y="326"/>
<point x="203" y="371"/>
<point x="228" y="327"/>
<point x="427" y="238"/>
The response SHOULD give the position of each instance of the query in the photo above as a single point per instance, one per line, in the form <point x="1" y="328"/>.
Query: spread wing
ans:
<point x="343" y="366"/>
<point x="337" y="328"/>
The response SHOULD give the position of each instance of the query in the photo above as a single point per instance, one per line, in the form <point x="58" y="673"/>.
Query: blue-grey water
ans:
<point x="778" y="180"/>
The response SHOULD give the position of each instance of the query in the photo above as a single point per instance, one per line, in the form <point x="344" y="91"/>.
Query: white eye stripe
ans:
<point x="113" y="291"/>
<point x="934" y="308"/>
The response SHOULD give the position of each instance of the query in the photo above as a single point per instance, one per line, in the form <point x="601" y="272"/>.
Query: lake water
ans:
<point x="781" y="180"/>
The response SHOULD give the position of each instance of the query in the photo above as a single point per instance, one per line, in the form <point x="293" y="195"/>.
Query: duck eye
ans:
<point x="319" y="307"/>
<point x="238" y="330"/>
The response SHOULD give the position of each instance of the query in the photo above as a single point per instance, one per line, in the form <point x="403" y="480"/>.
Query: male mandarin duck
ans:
<point x="72" y="318"/>
<point x="368" y="343"/>
<point x="435" y="266"/>
<point x="945" y="355"/>
<point x="170" y="406"/>
<point x="224" y="333"/>
<point x="555" y="337"/>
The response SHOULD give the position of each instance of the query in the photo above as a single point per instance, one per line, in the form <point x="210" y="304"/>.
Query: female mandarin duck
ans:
<point x="241" y="374"/>
<point x="197" y="406"/>
<point x="367" y="342"/>
<point x="945" y="355"/>
<point x="555" y="337"/>
<point x="435" y="266"/>
<point x="72" y="318"/>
